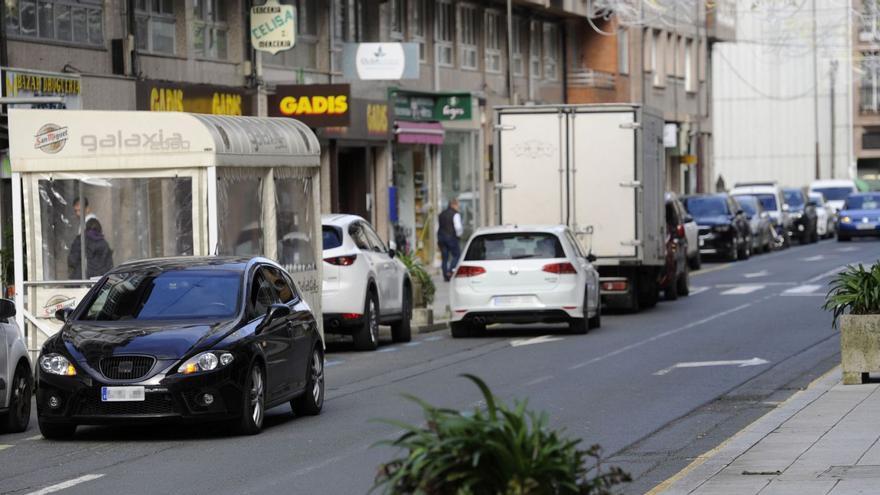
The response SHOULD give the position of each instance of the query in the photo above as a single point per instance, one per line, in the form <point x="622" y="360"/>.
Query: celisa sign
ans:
<point x="273" y="27"/>
<point x="316" y="105"/>
<point x="381" y="61"/>
<point x="427" y="106"/>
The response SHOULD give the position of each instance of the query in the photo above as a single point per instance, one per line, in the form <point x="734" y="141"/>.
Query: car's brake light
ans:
<point x="679" y="231"/>
<point x="615" y="286"/>
<point x="351" y="316"/>
<point x="342" y="260"/>
<point x="469" y="271"/>
<point x="560" y="268"/>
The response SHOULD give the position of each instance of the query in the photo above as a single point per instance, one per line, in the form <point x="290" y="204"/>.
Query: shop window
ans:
<point x="397" y="19"/>
<point x="210" y="29"/>
<point x="494" y="41"/>
<point x="622" y="51"/>
<point x="239" y="213"/>
<point x="304" y="54"/>
<point x="535" y="50"/>
<point x="79" y="22"/>
<point x="123" y="219"/>
<point x="518" y="43"/>
<point x="418" y="26"/>
<point x="155" y="26"/>
<point x="295" y="228"/>
<point x="551" y="51"/>
<point x="342" y="30"/>
<point x="468" y="26"/>
<point x="444" y="33"/>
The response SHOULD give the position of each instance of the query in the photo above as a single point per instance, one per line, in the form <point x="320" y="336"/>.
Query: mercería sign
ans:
<point x="163" y="96"/>
<point x="273" y="27"/>
<point x="316" y="105"/>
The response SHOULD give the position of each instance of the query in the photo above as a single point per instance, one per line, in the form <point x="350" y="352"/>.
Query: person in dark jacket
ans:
<point x="99" y="256"/>
<point x="448" y="235"/>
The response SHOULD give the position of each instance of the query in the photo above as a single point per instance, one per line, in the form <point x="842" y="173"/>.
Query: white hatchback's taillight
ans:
<point x="560" y="268"/>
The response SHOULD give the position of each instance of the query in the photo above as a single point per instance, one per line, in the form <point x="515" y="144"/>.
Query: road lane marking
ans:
<point x="802" y="290"/>
<point x="827" y="274"/>
<point x="741" y="363"/>
<point x="433" y="338"/>
<point x="387" y="349"/>
<point x="697" y="290"/>
<point x="538" y="380"/>
<point x="742" y="290"/>
<point x="762" y="273"/>
<point x="660" y="336"/>
<point x="711" y="269"/>
<point x="35" y="437"/>
<point x="412" y="344"/>
<point x="328" y="364"/>
<point x="543" y="339"/>
<point x="818" y="257"/>
<point x="4" y="447"/>
<point x="67" y="484"/>
<point x="847" y="249"/>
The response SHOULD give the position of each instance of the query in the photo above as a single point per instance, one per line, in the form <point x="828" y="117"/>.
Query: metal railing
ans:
<point x="589" y="78"/>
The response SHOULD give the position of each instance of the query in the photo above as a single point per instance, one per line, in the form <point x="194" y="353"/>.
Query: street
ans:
<point x="655" y="389"/>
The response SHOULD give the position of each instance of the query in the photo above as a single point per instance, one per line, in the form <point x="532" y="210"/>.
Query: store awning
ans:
<point x="418" y="132"/>
<point x="76" y="140"/>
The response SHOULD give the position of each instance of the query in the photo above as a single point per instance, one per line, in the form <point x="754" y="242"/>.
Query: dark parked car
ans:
<point x="674" y="279"/>
<point x="859" y="217"/>
<point x="724" y="229"/>
<point x="759" y="221"/>
<point x="803" y="214"/>
<point x="192" y="339"/>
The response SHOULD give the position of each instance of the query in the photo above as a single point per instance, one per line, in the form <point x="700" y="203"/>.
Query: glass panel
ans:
<point x="240" y="220"/>
<point x="167" y="6"/>
<point x="514" y="246"/>
<point x="28" y="17"/>
<point x="459" y="179"/>
<point x="199" y="39"/>
<point x="80" y="26"/>
<point x="220" y="42"/>
<point x="143" y="33"/>
<point x="62" y="22"/>
<point x="11" y="16"/>
<point x="295" y="227"/>
<point x="123" y="219"/>
<point x="163" y="36"/>
<point x="46" y="19"/>
<point x="96" y="27"/>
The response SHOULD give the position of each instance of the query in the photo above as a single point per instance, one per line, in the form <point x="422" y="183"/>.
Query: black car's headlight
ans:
<point x="206" y="361"/>
<point x="56" y="364"/>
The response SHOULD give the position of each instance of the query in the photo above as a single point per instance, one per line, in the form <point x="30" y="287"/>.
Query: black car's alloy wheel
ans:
<point x="19" y="413"/>
<point x="253" y="408"/>
<point x="311" y="401"/>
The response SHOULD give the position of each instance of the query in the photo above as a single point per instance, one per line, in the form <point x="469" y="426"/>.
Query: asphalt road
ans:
<point x="618" y="386"/>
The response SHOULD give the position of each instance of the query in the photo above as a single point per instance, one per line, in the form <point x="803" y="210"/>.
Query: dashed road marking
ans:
<point x="412" y="344"/>
<point x="543" y="339"/>
<point x="538" y="380"/>
<point x="328" y="364"/>
<point x="847" y="249"/>
<point x="388" y="349"/>
<point x="67" y="484"/>
<point x="827" y="274"/>
<point x="35" y="437"/>
<point x="433" y="338"/>
<point x="4" y="447"/>
<point x="818" y="257"/>
<point x="802" y="290"/>
<point x="762" y="273"/>
<point x="697" y="290"/>
<point x="742" y="290"/>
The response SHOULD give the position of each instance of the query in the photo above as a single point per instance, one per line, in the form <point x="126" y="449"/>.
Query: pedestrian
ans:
<point x="98" y="255"/>
<point x="448" y="236"/>
<point x="78" y="211"/>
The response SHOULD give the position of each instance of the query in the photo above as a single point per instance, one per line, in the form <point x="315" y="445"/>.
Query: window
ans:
<point x="397" y="21"/>
<point x="261" y="297"/>
<point x="518" y="42"/>
<point x="622" y="51"/>
<point x="155" y="26"/>
<point x="79" y="22"/>
<point x="418" y="25"/>
<point x="689" y="66"/>
<point x="376" y="243"/>
<point x="210" y="29"/>
<point x="657" y="50"/>
<point x="444" y="33"/>
<point x="535" y="50"/>
<point x="304" y="53"/>
<point x="669" y="55"/>
<point x="494" y="40"/>
<point x="332" y="237"/>
<point x="515" y="246"/>
<point x="551" y="51"/>
<point x="279" y="282"/>
<point x="343" y="29"/>
<point x="359" y="236"/>
<point x="468" y="24"/>
<point x="869" y="21"/>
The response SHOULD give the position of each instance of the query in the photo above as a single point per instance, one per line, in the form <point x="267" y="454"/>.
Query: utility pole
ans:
<point x="815" y="91"/>
<point x="832" y="73"/>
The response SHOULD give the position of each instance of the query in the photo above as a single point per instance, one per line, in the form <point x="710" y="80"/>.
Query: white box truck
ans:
<point x="599" y="169"/>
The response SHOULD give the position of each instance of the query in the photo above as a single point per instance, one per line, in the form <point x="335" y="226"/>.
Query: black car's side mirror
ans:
<point x="63" y="314"/>
<point x="739" y="212"/>
<point x="591" y="258"/>
<point x="274" y="312"/>
<point x="7" y="309"/>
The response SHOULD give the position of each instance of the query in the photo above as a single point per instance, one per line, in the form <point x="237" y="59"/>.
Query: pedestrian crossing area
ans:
<point x="782" y="289"/>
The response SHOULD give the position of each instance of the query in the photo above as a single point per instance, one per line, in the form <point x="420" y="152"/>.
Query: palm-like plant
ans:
<point x="418" y="273"/>
<point x="855" y="290"/>
<point x="501" y="450"/>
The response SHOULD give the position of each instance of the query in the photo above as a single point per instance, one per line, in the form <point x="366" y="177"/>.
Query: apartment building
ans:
<point x="866" y="85"/>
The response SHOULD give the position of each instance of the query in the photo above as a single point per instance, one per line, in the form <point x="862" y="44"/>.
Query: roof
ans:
<point x="89" y="140"/>
<point x="234" y="263"/>
<point x="503" y="229"/>
<point x="754" y="189"/>
<point x="339" y="219"/>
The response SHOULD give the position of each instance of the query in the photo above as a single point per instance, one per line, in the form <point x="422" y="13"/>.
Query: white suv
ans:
<point x="524" y="274"/>
<point x="16" y="378"/>
<point x="364" y="284"/>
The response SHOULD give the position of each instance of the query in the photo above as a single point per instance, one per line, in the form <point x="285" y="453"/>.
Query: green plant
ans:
<point x="855" y="290"/>
<point x="6" y="258"/>
<point x="502" y="450"/>
<point x="419" y="275"/>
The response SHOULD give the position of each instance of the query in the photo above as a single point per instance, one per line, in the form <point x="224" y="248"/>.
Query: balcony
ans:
<point x="589" y="78"/>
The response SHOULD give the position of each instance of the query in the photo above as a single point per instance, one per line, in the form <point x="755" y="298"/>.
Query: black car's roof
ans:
<point x="234" y="263"/>
<point x="709" y="195"/>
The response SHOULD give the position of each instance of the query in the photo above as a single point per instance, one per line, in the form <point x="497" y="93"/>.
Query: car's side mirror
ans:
<point x="7" y="309"/>
<point x="392" y="252"/>
<point x="63" y="314"/>
<point x="274" y="312"/>
<point x="688" y="218"/>
<point x="591" y="258"/>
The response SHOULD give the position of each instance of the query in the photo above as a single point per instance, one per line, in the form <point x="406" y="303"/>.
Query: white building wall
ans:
<point x="763" y="94"/>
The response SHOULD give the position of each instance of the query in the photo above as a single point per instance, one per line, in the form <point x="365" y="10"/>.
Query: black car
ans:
<point x="724" y="229"/>
<point x="763" y="238"/>
<point x="192" y="339"/>
<point x="803" y="215"/>
<point x="674" y="278"/>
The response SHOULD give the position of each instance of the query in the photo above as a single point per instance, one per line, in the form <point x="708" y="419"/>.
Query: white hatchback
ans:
<point x="364" y="284"/>
<point x="524" y="274"/>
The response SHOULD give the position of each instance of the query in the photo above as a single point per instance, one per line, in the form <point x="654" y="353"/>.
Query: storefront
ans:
<point x="168" y="96"/>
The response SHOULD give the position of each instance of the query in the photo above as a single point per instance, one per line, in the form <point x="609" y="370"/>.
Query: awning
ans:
<point x="418" y="132"/>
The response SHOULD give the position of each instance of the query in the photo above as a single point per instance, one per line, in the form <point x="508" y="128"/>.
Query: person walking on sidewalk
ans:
<point x="448" y="235"/>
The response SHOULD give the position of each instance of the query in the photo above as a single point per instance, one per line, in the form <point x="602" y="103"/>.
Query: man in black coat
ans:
<point x="448" y="235"/>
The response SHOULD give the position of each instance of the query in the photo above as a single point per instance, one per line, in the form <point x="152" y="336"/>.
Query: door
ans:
<point x="298" y="323"/>
<point x="275" y="339"/>
<point x="354" y="182"/>
<point x="388" y="272"/>
<point x="5" y="384"/>
<point x="358" y="232"/>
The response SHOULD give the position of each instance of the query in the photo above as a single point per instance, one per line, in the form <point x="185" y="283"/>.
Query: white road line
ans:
<point x="388" y="349"/>
<point x="827" y="274"/>
<point x="328" y="364"/>
<point x="66" y="484"/>
<point x="543" y="339"/>
<point x="847" y="249"/>
<point x="538" y="380"/>
<point x="661" y="335"/>
<point x="4" y="447"/>
<point x="433" y="338"/>
<point x="412" y="344"/>
<point x="743" y="289"/>
<point x="35" y="437"/>
<point x="741" y="363"/>
<point x="802" y="290"/>
<point x="818" y="257"/>
<point x="762" y="273"/>
<point x="697" y="290"/>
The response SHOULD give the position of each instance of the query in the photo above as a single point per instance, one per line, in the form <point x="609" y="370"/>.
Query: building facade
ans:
<point x="866" y="87"/>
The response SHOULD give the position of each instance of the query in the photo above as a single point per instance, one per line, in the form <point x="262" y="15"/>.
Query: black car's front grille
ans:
<point x="153" y="404"/>
<point x="126" y="367"/>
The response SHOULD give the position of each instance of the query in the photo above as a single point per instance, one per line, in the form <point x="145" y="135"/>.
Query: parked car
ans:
<point x="770" y="196"/>
<point x="825" y="218"/>
<point x="724" y="230"/>
<point x="859" y="217"/>
<point x="15" y="373"/>
<point x="364" y="284"/>
<point x="759" y="221"/>
<point x="673" y="281"/>
<point x="524" y="274"/>
<point x="803" y="214"/>
<point x="691" y="230"/>
<point x="199" y="339"/>
<point x="835" y="191"/>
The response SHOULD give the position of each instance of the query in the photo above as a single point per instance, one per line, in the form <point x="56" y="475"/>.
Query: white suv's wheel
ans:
<point x="367" y="337"/>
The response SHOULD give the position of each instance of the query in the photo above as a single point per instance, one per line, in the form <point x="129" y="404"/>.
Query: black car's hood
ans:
<point x="164" y="340"/>
<point x="714" y="220"/>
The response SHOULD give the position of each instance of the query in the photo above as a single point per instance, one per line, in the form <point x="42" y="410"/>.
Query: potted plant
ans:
<point x="854" y="300"/>
<point x="423" y="285"/>
<point x="504" y="450"/>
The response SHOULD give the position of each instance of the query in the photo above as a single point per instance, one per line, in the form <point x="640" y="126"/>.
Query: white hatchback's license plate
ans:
<point x="865" y="226"/>
<point x="122" y="394"/>
<point x="513" y="301"/>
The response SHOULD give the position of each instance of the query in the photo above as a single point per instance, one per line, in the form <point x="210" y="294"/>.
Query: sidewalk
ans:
<point x="823" y="440"/>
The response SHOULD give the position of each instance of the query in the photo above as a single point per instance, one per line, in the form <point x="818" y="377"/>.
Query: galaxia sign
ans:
<point x="273" y="27"/>
<point x="381" y="61"/>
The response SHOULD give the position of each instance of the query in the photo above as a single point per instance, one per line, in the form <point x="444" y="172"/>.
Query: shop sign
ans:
<point x="316" y="105"/>
<point x="670" y="135"/>
<point x="273" y="27"/>
<point x="161" y="96"/>
<point x="380" y="61"/>
<point x="369" y="121"/>
<point x="28" y="83"/>
<point x="426" y="106"/>
<point x="455" y="107"/>
<point x="413" y="107"/>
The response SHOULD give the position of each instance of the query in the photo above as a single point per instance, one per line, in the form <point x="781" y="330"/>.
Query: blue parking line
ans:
<point x="328" y="364"/>
<point x="387" y="349"/>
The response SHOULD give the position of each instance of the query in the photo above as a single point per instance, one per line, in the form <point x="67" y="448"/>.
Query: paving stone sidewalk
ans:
<point x="824" y="440"/>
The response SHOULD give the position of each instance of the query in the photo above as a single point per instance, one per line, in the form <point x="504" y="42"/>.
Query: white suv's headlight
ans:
<point x="206" y="361"/>
<point x="56" y="364"/>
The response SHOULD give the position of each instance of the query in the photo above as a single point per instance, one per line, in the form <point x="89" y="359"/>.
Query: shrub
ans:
<point x="855" y="290"/>
<point x="503" y="450"/>
<point x="419" y="276"/>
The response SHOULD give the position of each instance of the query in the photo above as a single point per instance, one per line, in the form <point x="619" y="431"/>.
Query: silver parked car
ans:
<point x="16" y="377"/>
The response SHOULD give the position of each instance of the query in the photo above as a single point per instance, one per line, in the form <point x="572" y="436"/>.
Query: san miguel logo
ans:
<point x="51" y="138"/>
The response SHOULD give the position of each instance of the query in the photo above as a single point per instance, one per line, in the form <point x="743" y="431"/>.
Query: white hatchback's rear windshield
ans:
<point x="514" y="246"/>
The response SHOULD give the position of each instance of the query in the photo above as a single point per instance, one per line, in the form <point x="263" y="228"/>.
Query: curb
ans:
<point x="434" y="327"/>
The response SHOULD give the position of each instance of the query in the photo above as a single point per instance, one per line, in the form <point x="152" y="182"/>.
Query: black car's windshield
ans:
<point x="834" y="193"/>
<point x="706" y="206"/>
<point x="863" y="202"/>
<point x="768" y="201"/>
<point x="514" y="246"/>
<point x="748" y="204"/>
<point x="170" y="295"/>
<point x="794" y="198"/>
